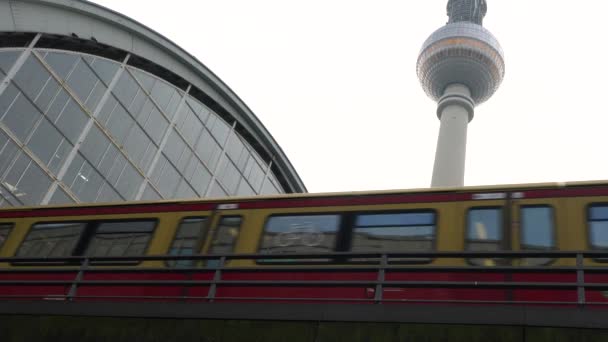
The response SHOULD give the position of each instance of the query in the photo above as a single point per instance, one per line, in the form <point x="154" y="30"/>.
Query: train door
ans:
<point x="485" y="220"/>
<point x="535" y="223"/>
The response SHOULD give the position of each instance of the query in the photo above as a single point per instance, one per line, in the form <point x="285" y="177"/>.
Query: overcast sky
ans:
<point x="334" y="81"/>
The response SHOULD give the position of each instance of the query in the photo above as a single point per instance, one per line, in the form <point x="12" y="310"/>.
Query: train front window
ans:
<point x="125" y="238"/>
<point x="188" y="240"/>
<point x="47" y="240"/>
<point x="394" y="232"/>
<point x="287" y="234"/>
<point x="484" y="232"/>
<point x="598" y="226"/>
<point x="5" y="229"/>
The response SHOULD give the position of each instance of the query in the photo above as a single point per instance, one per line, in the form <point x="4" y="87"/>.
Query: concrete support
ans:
<point x="455" y="110"/>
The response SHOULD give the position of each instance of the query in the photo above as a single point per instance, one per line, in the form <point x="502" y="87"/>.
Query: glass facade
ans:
<point x="81" y="128"/>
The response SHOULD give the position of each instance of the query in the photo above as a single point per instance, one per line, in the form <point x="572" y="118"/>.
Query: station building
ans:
<point x="95" y="107"/>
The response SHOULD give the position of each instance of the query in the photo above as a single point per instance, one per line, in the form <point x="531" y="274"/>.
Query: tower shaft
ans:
<point x="455" y="110"/>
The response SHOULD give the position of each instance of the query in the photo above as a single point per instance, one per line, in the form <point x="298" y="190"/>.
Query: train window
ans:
<point x="286" y="234"/>
<point x="58" y="239"/>
<point x="120" y="238"/>
<point x="394" y="232"/>
<point x="598" y="227"/>
<point x="188" y="239"/>
<point x="5" y="229"/>
<point x="226" y="233"/>
<point x="484" y="232"/>
<point x="537" y="231"/>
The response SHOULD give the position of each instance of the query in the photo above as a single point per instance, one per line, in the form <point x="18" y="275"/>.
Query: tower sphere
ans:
<point x="465" y="53"/>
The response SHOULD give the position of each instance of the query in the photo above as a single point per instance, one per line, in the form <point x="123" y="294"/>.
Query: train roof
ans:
<point x="220" y="200"/>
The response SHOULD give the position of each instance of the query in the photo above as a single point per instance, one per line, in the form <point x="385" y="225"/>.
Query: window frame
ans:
<point x="339" y="237"/>
<point x="200" y="244"/>
<point x="215" y="231"/>
<point x="468" y="241"/>
<point x="350" y="232"/>
<point x="589" y="231"/>
<point x="84" y="240"/>
<point x="10" y="227"/>
<point x="554" y="241"/>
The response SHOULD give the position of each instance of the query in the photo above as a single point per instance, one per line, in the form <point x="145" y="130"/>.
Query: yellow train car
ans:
<point x="520" y="243"/>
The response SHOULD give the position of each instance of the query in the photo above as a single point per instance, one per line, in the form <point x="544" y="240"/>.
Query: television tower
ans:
<point x="460" y="66"/>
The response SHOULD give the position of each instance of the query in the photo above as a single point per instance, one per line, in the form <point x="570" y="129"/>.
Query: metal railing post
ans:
<point x="381" y="276"/>
<point x="580" y="278"/>
<point x="74" y="288"/>
<point x="217" y="276"/>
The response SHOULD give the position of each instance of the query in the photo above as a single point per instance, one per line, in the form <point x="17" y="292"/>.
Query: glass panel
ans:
<point x="537" y="227"/>
<point x="129" y="238"/>
<point x="598" y="227"/>
<point x="21" y="117"/>
<point x="229" y="176"/>
<point x="188" y="240"/>
<point x="394" y="232"/>
<point x="150" y="194"/>
<point x="61" y="63"/>
<point x="57" y="105"/>
<point x="175" y="147"/>
<point x="95" y="145"/>
<point x="269" y="188"/>
<point x="537" y="232"/>
<point x="72" y="121"/>
<point x="27" y="181"/>
<point x="108" y="194"/>
<point x="47" y="240"/>
<point x="147" y="81"/>
<point x="162" y="93"/>
<point x="201" y="111"/>
<point x="217" y="191"/>
<point x="60" y="197"/>
<point x="226" y="233"/>
<point x="8" y="151"/>
<point x="137" y="143"/>
<point x="7" y="59"/>
<point x="201" y="178"/>
<point x="208" y="150"/>
<point x="5" y="230"/>
<point x="47" y="94"/>
<point x="45" y="141"/>
<point x="126" y="88"/>
<point x="168" y="182"/>
<point x="218" y="128"/>
<point x="82" y="80"/>
<point x="32" y="76"/>
<point x="7" y="98"/>
<point x="190" y="126"/>
<point x="245" y="189"/>
<point x="184" y="190"/>
<point x="120" y="123"/>
<point x="105" y="69"/>
<point x="84" y="181"/>
<point x="484" y="232"/>
<point x="156" y="126"/>
<point x="299" y="234"/>
<point x="254" y="174"/>
<point x="129" y="182"/>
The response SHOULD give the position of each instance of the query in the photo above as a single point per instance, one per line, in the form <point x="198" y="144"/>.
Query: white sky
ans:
<point x="334" y="81"/>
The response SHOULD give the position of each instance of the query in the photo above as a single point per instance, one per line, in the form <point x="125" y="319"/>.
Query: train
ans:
<point x="453" y="244"/>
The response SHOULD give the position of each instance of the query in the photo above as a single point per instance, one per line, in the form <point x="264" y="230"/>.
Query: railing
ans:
<point x="39" y="273"/>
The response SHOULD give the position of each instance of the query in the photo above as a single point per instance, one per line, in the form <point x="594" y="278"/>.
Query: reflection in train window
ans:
<point x="188" y="240"/>
<point x="598" y="226"/>
<point x="5" y="229"/>
<point x="314" y="233"/>
<point x="537" y="231"/>
<point x="121" y="238"/>
<point x="484" y="232"/>
<point x="48" y="240"/>
<point x="226" y="233"/>
<point x="394" y="232"/>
